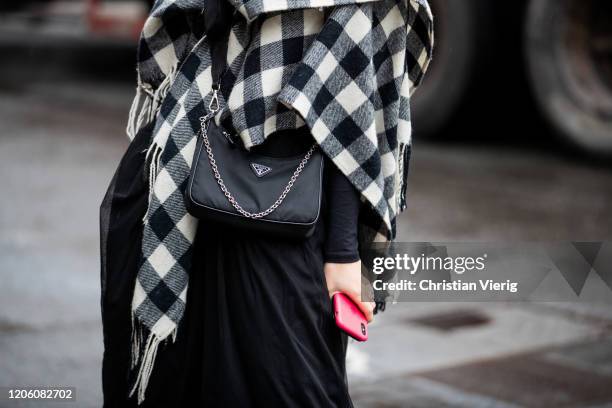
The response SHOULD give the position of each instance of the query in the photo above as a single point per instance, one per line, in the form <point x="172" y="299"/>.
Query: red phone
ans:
<point x="349" y="317"/>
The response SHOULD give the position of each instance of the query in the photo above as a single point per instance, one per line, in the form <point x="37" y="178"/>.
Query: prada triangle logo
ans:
<point x="260" y="170"/>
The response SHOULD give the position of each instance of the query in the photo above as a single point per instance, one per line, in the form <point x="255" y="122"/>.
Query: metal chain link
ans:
<point x="228" y="194"/>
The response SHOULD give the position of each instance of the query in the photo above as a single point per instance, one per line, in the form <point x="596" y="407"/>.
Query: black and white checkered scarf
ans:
<point x="344" y="68"/>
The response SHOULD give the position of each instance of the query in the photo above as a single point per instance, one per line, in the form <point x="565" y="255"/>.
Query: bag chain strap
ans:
<point x="213" y="164"/>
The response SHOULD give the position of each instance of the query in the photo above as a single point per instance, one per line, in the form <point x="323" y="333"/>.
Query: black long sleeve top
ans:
<point x="342" y="199"/>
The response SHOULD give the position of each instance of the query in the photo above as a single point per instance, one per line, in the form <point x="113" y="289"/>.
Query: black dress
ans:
<point x="258" y="328"/>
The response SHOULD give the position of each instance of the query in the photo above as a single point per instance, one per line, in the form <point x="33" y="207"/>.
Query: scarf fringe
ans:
<point x="147" y="102"/>
<point x="404" y="162"/>
<point x="145" y="106"/>
<point x="140" y="109"/>
<point x="144" y="353"/>
<point x="153" y="157"/>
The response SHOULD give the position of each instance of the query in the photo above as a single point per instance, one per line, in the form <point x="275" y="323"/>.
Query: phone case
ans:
<point x="349" y="318"/>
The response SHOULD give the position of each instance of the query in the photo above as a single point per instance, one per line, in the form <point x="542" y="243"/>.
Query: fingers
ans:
<point x="367" y="308"/>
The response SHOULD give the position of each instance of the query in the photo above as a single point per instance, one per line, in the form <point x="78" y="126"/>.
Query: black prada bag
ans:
<point x="248" y="190"/>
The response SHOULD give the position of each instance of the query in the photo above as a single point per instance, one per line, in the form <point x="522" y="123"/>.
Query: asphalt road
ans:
<point x="60" y="142"/>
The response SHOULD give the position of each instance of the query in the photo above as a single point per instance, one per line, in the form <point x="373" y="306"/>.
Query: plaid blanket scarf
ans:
<point x="344" y="68"/>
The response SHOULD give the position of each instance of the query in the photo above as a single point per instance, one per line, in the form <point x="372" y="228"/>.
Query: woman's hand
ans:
<point x="346" y="278"/>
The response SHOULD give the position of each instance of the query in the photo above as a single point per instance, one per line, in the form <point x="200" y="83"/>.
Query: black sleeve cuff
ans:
<point x="341" y="258"/>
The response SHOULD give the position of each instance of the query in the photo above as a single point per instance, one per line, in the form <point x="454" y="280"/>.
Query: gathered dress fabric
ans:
<point x="258" y="328"/>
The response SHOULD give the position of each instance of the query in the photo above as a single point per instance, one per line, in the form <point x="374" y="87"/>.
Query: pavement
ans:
<point x="60" y="142"/>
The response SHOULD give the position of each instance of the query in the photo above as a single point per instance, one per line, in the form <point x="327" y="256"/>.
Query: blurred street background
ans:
<point x="513" y="135"/>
